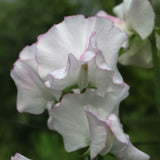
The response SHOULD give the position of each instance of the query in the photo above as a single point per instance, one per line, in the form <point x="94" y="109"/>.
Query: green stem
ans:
<point x="156" y="69"/>
<point x="86" y="155"/>
<point x="99" y="157"/>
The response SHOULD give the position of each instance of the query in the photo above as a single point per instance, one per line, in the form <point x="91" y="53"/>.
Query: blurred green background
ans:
<point x="21" y="21"/>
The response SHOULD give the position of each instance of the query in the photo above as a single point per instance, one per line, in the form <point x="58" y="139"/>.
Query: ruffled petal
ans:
<point x="28" y="55"/>
<point x="120" y="140"/>
<point x="119" y="23"/>
<point x="65" y="77"/>
<point x="98" y="133"/>
<point x="122" y="146"/>
<point x="139" y="54"/>
<point x="140" y="16"/>
<point x="116" y="128"/>
<point x="109" y="40"/>
<point x="69" y="119"/>
<point x="32" y="94"/>
<point x="70" y="36"/>
<point x="28" y="52"/>
<point x="132" y="153"/>
<point x="19" y="157"/>
<point x="103" y="106"/>
<point x="73" y="36"/>
<point x="103" y="79"/>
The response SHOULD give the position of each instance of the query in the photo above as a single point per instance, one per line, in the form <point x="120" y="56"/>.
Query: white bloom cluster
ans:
<point x="72" y="71"/>
<point x="135" y="17"/>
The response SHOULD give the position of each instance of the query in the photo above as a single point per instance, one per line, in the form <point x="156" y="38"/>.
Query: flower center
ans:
<point x="83" y="77"/>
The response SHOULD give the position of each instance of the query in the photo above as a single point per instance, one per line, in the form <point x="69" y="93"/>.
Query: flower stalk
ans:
<point x="99" y="157"/>
<point x="156" y="69"/>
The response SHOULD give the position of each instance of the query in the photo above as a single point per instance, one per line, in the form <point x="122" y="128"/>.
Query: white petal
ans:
<point x="72" y="74"/>
<point x="116" y="128"/>
<point x="70" y="36"/>
<point x="119" y="23"/>
<point x="139" y="54"/>
<point x="109" y="40"/>
<point x="117" y="132"/>
<point x="98" y="133"/>
<point x="32" y="93"/>
<point x="28" y="56"/>
<point x="103" y="106"/>
<point x="60" y="79"/>
<point x="140" y="16"/>
<point x="69" y="119"/>
<point x="119" y="11"/>
<point x="19" y="157"/>
<point x="132" y="153"/>
<point x="28" y="52"/>
<point x="98" y="74"/>
<point x="122" y="146"/>
<point x="102" y="79"/>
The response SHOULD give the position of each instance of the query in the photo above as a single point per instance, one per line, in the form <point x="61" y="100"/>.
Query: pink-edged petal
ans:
<point x="132" y="153"/>
<point x="120" y="139"/>
<point x="60" y="79"/>
<point x="98" y="133"/>
<point x="103" y="106"/>
<point x="32" y="94"/>
<point x="19" y="157"/>
<point x="28" y="52"/>
<point x="139" y="54"/>
<point x="140" y="16"/>
<point x="70" y="36"/>
<point x="122" y="146"/>
<point x="75" y="71"/>
<point x="109" y="40"/>
<point x="119" y="23"/>
<point x="102" y="78"/>
<point x="28" y="56"/>
<point x="69" y="119"/>
<point x="116" y="128"/>
<point x="97" y="73"/>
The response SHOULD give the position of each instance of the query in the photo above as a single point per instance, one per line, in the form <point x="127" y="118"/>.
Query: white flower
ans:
<point x="138" y="15"/>
<point x="19" y="157"/>
<point x="78" y="53"/>
<point x="135" y="17"/>
<point x="85" y="43"/>
<point x="139" y="54"/>
<point x="91" y="120"/>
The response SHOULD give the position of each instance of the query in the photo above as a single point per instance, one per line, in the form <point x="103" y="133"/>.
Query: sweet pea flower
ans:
<point x="19" y="157"/>
<point x="91" y="120"/>
<point x="78" y="53"/>
<point x="33" y="95"/>
<point x="135" y="17"/>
